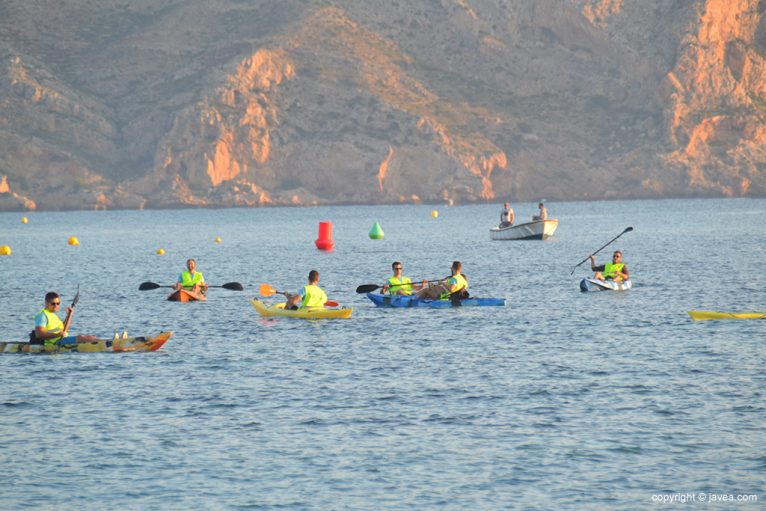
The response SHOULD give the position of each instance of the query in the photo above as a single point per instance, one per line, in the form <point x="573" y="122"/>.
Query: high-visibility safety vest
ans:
<point x="461" y="284"/>
<point x="188" y="281"/>
<point x="403" y="286"/>
<point x="313" y="296"/>
<point x="610" y="270"/>
<point x="55" y="326"/>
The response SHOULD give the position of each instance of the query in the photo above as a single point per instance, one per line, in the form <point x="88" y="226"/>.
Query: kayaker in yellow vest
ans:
<point x="310" y="296"/>
<point x="191" y="280"/>
<point x="616" y="270"/>
<point x="50" y="330"/>
<point x="398" y="284"/>
<point x="455" y="286"/>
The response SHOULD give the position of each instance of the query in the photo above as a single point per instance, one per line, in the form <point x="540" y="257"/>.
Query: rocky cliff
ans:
<point x="248" y="103"/>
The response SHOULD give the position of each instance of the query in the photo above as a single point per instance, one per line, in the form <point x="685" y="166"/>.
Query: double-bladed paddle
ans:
<point x="233" y="286"/>
<point x="369" y="288"/>
<point x="267" y="290"/>
<point x="627" y="229"/>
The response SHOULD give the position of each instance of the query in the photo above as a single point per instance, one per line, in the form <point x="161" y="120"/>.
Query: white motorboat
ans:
<point x="537" y="230"/>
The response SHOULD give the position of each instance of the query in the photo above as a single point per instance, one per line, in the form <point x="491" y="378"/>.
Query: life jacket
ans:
<point x="461" y="284"/>
<point x="313" y="296"/>
<point x="403" y="286"/>
<point x="188" y="282"/>
<point x="611" y="269"/>
<point x="55" y="325"/>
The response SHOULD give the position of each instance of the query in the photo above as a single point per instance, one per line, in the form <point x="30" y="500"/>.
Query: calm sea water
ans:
<point x="561" y="400"/>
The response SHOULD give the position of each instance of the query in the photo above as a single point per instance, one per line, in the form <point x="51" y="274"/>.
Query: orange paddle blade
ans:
<point x="267" y="290"/>
<point x="330" y="303"/>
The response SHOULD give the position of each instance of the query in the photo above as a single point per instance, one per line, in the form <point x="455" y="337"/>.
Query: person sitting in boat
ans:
<point x="50" y="330"/>
<point x="451" y="288"/>
<point x="191" y="280"/>
<point x="398" y="284"/>
<point x="310" y="296"/>
<point x="543" y="213"/>
<point x="616" y="270"/>
<point x="507" y="216"/>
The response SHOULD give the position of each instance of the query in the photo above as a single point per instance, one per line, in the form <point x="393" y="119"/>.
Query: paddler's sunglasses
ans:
<point x="55" y="303"/>
<point x="397" y="267"/>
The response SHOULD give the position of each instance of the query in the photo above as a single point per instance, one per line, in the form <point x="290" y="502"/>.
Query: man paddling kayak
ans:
<point x="191" y="280"/>
<point x="616" y="270"/>
<point x="399" y="284"/>
<point x="50" y="330"/>
<point x="455" y="286"/>
<point x="310" y="296"/>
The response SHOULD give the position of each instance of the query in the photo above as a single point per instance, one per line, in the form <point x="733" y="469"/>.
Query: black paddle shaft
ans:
<point x="369" y="288"/>
<point x="627" y="229"/>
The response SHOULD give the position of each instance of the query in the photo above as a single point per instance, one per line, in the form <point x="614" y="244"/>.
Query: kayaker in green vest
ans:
<point x="310" y="296"/>
<point x="616" y="270"/>
<point x="50" y="330"/>
<point x="191" y="280"/>
<point x="399" y="284"/>
<point x="455" y="286"/>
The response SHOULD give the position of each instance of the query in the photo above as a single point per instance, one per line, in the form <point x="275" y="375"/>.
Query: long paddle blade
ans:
<point x="76" y="297"/>
<point x="267" y="290"/>
<point x="234" y="286"/>
<point x="146" y="286"/>
<point x="367" y="288"/>
<point x="627" y="229"/>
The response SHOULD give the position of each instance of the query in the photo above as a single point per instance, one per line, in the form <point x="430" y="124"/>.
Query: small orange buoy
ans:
<point x="324" y="241"/>
<point x="5" y="250"/>
<point x="73" y="241"/>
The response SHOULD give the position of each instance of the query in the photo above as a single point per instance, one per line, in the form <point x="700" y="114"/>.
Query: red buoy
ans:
<point x="325" y="241"/>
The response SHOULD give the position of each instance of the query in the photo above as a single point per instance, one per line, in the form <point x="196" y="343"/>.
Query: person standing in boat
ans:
<point x="507" y="216"/>
<point x="616" y="270"/>
<point x="543" y="213"/>
<point x="191" y="280"/>
<point x="455" y="286"/>
<point x="399" y="284"/>
<point x="310" y="296"/>
<point x="50" y="330"/>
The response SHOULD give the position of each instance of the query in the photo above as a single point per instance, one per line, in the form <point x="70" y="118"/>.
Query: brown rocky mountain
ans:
<point x="145" y="104"/>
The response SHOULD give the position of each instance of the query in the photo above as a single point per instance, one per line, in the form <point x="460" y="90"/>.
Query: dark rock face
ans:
<point x="229" y="103"/>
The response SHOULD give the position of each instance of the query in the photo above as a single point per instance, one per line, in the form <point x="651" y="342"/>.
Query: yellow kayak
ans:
<point x="268" y="311"/>
<point x="122" y="345"/>
<point x="708" y="315"/>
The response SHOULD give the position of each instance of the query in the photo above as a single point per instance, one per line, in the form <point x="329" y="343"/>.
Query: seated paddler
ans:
<point x="451" y="288"/>
<point x="191" y="280"/>
<point x="50" y="330"/>
<point x="310" y="296"/>
<point x="616" y="270"/>
<point x="399" y="284"/>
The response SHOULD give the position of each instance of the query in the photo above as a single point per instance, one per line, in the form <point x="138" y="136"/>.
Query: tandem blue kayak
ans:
<point x="414" y="301"/>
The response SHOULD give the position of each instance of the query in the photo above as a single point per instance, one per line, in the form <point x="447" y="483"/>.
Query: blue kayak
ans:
<point x="414" y="301"/>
